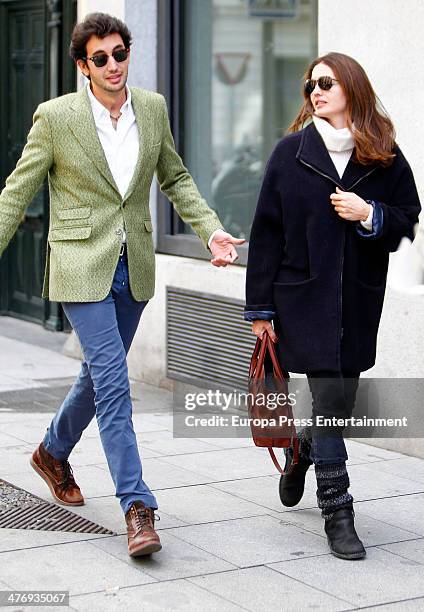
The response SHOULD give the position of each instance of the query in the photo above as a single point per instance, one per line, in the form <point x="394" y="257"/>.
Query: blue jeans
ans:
<point x="333" y="395"/>
<point x="105" y="330"/>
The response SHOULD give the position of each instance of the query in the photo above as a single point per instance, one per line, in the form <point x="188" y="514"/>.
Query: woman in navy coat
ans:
<point x="337" y="197"/>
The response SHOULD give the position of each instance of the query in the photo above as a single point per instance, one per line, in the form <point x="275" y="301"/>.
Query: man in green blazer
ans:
<point x="100" y="148"/>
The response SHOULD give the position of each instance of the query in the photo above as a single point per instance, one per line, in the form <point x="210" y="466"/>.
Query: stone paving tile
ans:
<point x="22" y="539"/>
<point x="163" y="443"/>
<point x="22" y="360"/>
<point x="414" y="550"/>
<point x="107" y="512"/>
<point x="410" y="468"/>
<point x="364" y="453"/>
<point x="261" y="588"/>
<point x="78" y="567"/>
<point x="161" y="475"/>
<point x="8" y="440"/>
<point x="253" y="541"/>
<point x="89" y="451"/>
<point x="226" y="464"/>
<point x="28" y="396"/>
<point x="66" y="381"/>
<point x="152" y="398"/>
<point x="406" y="605"/>
<point x="372" y="481"/>
<point x="372" y="531"/>
<point x="12" y="417"/>
<point x="46" y="407"/>
<point x="229" y="442"/>
<point x="15" y="459"/>
<point x="405" y="511"/>
<point x="177" y="559"/>
<point x="10" y="382"/>
<point x="204" y="504"/>
<point x="28" y="432"/>
<point x="264" y="491"/>
<point x="92" y="479"/>
<point x="142" y="423"/>
<point x="180" y="594"/>
<point x="379" y="578"/>
<point x="162" y="420"/>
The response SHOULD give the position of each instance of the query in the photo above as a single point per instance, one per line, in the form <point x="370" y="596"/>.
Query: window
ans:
<point x="231" y="71"/>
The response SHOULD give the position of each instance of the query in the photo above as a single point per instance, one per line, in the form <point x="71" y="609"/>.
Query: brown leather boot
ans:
<point x="58" y="476"/>
<point x="142" y="537"/>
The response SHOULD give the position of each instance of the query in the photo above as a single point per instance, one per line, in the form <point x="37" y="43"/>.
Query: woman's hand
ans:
<point x="259" y="327"/>
<point x="349" y="206"/>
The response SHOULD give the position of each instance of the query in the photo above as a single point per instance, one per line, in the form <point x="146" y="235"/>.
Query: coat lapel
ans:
<point x="313" y="153"/>
<point x="81" y="123"/>
<point x="354" y="173"/>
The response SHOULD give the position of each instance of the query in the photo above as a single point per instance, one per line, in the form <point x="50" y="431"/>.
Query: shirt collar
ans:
<point x="99" y="111"/>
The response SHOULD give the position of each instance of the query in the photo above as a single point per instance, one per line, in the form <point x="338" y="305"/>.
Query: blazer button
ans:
<point x="119" y="232"/>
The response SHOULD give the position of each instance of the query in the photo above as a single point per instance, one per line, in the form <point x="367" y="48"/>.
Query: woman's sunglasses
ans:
<point x="324" y="82"/>
<point x="120" y="55"/>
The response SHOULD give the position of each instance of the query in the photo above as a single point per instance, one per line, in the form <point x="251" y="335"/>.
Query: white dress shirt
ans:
<point x="339" y="144"/>
<point x="120" y="146"/>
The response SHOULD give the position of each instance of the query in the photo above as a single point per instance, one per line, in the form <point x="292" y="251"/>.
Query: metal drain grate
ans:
<point x="20" y="509"/>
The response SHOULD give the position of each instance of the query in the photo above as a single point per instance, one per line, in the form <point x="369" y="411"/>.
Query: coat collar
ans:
<point x="82" y="125"/>
<point x="313" y="153"/>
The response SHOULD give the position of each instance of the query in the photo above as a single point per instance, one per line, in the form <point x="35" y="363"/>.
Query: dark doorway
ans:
<point x="34" y="38"/>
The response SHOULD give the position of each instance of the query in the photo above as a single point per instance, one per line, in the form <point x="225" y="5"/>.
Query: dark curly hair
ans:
<point x="96" y="24"/>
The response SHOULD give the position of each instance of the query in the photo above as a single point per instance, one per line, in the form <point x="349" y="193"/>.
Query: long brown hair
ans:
<point x="374" y="133"/>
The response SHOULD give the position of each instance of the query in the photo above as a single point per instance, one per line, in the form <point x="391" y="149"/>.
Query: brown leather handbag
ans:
<point x="270" y="410"/>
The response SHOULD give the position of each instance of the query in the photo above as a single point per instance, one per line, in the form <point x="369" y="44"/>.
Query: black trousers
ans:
<point x="333" y="395"/>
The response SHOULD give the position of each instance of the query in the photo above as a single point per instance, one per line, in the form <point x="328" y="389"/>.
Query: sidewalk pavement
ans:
<point x="228" y="543"/>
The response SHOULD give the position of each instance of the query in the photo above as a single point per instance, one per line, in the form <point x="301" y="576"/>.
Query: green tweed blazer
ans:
<point x="87" y="212"/>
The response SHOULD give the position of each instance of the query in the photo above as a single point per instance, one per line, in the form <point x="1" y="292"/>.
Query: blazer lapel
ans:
<point x="313" y="153"/>
<point x="81" y="123"/>
<point x="145" y="129"/>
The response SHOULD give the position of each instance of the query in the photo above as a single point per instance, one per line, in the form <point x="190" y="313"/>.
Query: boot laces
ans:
<point x="145" y="519"/>
<point x="67" y="475"/>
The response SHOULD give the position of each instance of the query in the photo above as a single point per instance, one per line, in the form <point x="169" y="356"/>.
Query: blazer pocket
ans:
<point x="148" y="226"/>
<point x="81" y="212"/>
<point x="69" y="233"/>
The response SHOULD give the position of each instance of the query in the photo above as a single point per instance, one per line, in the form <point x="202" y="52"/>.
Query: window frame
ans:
<point x="171" y="84"/>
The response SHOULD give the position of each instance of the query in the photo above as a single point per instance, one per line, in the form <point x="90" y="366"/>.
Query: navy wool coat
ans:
<point x="319" y="277"/>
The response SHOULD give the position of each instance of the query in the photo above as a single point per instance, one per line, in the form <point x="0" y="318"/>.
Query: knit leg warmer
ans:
<point x="332" y="488"/>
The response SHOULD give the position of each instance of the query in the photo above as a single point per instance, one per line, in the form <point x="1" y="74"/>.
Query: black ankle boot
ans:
<point x="342" y="537"/>
<point x="292" y="485"/>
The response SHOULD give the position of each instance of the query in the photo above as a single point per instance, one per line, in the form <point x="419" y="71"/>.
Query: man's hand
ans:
<point x="259" y="327"/>
<point x="222" y="248"/>
<point x="350" y="206"/>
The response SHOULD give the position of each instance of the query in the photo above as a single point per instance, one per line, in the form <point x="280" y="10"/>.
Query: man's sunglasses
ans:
<point x="120" y="55"/>
<point x="324" y="82"/>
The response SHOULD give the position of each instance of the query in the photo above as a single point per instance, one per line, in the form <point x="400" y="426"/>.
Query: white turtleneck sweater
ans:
<point x="339" y="144"/>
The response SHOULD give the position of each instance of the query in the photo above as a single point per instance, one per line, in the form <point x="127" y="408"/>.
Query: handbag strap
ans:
<point x="256" y="369"/>
<point x="294" y="461"/>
